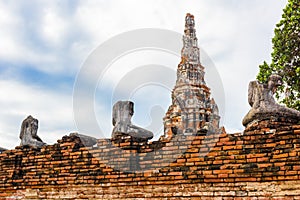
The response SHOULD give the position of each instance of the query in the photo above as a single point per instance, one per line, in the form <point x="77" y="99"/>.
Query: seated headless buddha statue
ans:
<point x="264" y="106"/>
<point x="122" y="113"/>
<point x="28" y="134"/>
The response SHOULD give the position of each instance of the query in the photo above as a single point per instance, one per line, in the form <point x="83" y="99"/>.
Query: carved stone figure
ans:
<point x="28" y="134"/>
<point x="264" y="106"/>
<point x="86" y="140"/>
<point x="121" y="119"/>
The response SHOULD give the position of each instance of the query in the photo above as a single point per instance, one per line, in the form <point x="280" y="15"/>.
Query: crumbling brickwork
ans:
<point x="194" y="159"/>
<point x="262" y="163"/>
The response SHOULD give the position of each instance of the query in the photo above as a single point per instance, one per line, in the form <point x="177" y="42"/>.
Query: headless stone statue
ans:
<point x="86" y="140"/>
<point x="122" y="113"/>
<point x="28" y="134"/>
<point x="264" y="106"/>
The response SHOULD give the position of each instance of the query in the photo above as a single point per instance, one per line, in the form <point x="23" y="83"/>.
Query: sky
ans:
<point x="44" y="45"/>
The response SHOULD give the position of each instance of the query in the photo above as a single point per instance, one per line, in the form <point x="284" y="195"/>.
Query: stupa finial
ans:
<point x="190" y="51"/>
<point x="189" y="21"/>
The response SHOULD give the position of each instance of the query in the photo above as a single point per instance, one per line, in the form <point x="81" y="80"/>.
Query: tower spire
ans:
<point x="190" y="51"/>
<point x="191" y="108"/>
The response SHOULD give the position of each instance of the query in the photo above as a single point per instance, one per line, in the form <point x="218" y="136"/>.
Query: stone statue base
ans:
<point x="268" y="126"/>
<point x="286" y="115"/>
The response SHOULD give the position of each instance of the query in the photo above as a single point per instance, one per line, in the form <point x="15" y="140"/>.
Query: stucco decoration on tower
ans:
<point x="192" y="107"/>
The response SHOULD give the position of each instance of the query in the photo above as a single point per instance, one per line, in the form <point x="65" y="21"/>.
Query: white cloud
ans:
<point x="37" y="34"/>
<point x="54" y="27"/>
<point x="9" y="22"/>
<point x="236" y="35"/>
<point x="249" y="45"/>
<point x="17" y="101"/>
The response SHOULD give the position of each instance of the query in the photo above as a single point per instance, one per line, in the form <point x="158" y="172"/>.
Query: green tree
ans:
<point x="286" y="55"/>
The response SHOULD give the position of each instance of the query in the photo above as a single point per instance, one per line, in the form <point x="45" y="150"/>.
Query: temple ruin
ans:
<point x="192" y="107"/>
<point x="189" y="161"/>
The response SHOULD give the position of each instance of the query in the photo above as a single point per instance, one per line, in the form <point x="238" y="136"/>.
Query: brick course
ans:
<point x="261" y="163"/>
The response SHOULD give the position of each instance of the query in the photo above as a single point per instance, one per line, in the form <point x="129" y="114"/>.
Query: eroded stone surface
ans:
<point x="264" y="106"/>
<point x="87" y="141"/>
<point x="122" y="114"/>
<point x="28" y="134"/>
<point x="192" y="107"/>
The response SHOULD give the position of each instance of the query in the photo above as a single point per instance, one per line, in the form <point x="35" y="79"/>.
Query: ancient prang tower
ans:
<point x="192" y="108"/>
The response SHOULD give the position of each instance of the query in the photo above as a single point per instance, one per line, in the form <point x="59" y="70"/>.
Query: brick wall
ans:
<point x="261" y="163"/>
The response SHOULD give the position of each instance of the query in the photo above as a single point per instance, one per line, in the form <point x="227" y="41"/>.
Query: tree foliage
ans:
<point x="286" y="55"/>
